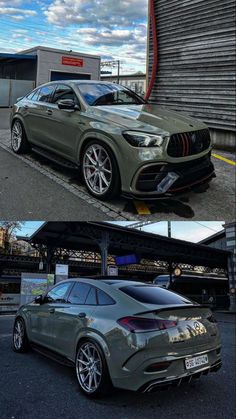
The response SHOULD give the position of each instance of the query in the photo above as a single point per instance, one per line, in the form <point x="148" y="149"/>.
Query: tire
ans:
<point x="100" y="171"/>
<point x="91" y="370"/>
<point x="20" y="340"/>
<point x="19" y="141"/>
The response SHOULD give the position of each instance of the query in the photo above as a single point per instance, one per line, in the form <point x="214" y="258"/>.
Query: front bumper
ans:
<point x="161" y="180"/>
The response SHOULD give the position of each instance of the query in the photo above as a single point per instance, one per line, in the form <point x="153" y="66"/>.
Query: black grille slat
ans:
<point x="189" y="143"/>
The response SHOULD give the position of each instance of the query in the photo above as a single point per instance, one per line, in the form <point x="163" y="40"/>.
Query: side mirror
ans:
<point x="68" y="104"/>
<point x="39" y="299"/>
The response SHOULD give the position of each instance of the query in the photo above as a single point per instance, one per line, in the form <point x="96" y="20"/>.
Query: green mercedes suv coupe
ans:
<point x="125" y="334"/>
<point x="119" y="142"/>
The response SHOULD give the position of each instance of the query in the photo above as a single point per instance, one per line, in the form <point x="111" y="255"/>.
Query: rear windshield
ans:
<point x="154" y="295"/>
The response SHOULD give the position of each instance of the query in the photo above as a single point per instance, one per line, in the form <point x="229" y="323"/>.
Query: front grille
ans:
<point x="189" y="143"/>
<point x="189" y="172"/>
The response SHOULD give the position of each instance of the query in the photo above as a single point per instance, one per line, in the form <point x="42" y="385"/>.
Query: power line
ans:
<point x="209" y="228"/>
<point x="51" y="35"/>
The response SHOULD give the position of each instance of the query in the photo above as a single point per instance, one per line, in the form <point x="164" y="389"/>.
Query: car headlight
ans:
<point x="143" y="139"/>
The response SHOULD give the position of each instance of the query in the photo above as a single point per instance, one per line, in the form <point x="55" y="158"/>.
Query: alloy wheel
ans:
<point x="16" y="136"/>
<point x="97" y="169"/>
<point x="89" y="367"/>
<point x="18" y="335"/>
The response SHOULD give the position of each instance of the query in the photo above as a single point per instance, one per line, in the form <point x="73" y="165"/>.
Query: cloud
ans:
<point x="4" y="3"/>
<point x="14" y="11"/>
<point x="96" y="12"/>
<point x="117" y="28"/>
<point x="114" y="37"/>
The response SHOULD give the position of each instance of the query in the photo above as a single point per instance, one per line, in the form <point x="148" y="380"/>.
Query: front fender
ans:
<point x="102" y="132"/>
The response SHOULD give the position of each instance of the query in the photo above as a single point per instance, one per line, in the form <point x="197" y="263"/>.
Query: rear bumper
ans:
<point x="154" y="385"/>
<point x="136" y="378"/>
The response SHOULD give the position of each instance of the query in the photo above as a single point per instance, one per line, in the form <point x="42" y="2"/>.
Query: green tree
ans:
<point x="10" y="228"/>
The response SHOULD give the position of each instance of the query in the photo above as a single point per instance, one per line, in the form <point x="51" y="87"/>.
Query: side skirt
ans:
<point x="52" y="355"/>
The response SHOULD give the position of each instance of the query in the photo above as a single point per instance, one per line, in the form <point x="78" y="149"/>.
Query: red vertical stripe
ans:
<point x="187" y="144"/>
<point x="184" y="145"/>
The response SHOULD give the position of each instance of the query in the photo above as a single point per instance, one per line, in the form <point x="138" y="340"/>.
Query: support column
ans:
<point x="49" y="257"/>
<point x="230" y="231"/>
<point x="104" y="245"/>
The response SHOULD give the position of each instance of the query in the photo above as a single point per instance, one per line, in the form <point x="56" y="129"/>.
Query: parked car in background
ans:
<point x="124" y="334"/>
<point x="119" y="142"/>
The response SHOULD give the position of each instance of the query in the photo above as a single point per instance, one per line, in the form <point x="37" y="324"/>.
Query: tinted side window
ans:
<point x="45" y="93"/>
<point x="30" y="95"/>
<point x="154" y="295"/>
<point x="58" y="293"/>
<point x="91" y="297"/>
<point x="63" y="92"/>
<point x="104" y="299"/>
<point x="79" y="293"/>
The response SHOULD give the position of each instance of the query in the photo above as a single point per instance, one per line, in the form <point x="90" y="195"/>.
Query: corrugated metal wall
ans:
<point x="196" y="72"/>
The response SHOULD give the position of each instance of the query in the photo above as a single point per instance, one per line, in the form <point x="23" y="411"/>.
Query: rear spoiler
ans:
<point x="174" y="308"/>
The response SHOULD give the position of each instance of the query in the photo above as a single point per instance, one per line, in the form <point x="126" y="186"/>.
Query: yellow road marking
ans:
<point x="142" y="208"/>
<point x="233" y="163"/>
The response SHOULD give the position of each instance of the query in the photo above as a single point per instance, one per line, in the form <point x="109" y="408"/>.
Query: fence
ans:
<point x="10" y="90"/>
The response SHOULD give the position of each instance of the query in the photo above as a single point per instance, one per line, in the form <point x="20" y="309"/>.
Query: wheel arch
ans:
<point x="95" y="337"/>
<point x="100" y="139"/>
<point x="17" y="117"/>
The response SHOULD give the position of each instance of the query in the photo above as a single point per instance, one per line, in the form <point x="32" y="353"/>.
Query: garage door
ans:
<point x="58" y="75"/>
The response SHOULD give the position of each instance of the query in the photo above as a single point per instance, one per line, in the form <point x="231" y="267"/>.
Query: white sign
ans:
<point x="112" y="270"/>
<point x="62" y="269"/>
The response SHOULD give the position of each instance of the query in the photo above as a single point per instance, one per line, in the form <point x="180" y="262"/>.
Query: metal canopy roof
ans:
<point x="90" y="236"/>
<point x="13" y="57"/>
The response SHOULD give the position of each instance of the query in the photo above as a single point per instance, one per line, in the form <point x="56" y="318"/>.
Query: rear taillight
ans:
<point x="141" y="324"/>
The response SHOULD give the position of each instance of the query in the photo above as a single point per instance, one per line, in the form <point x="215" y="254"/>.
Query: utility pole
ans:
<point x="169" y="229"/>
<point x="112" y="64"/>
<point x="118" y="71"/>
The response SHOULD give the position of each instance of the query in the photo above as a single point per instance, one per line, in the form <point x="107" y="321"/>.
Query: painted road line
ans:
<point x="217" y="156"/>
<point x="142" y="208"/>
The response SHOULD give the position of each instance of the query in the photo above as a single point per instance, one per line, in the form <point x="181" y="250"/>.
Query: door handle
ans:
<point x="49" y="112"/>
<point x="26" y="107"/>
<point x="82" y="315"/>
<point x="52" y="310"/>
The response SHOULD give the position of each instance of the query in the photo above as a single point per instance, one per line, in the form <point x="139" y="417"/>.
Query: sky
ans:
<point x="192" y="231"/>
<point x="112" y="29"/>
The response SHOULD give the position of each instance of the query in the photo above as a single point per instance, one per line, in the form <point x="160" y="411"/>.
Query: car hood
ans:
<point x="150" y="118"/>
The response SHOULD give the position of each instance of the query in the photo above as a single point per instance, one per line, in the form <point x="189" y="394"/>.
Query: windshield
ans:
<point x="101" y="94"/>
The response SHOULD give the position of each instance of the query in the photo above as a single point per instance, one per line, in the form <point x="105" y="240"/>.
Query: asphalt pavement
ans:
<point x="32" y="187"/>
<point x="27" y="194"/>
<point x="34" y="387"/>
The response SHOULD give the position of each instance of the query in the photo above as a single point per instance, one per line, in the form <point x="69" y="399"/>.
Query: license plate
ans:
<point x="196" y="361"/>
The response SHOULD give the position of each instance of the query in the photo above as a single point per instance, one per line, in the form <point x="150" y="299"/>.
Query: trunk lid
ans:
<point x="195" y="329"/>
